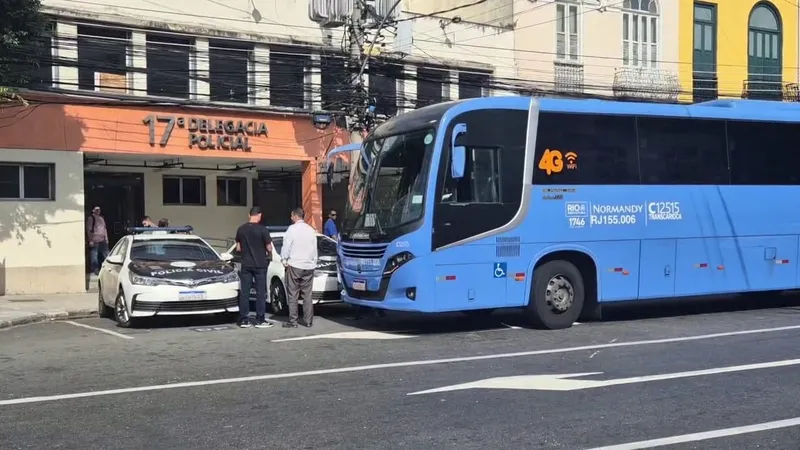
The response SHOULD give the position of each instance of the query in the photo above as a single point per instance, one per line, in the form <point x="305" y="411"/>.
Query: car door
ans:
<point x="114" y="270"/>
<point x="105" y="273"/>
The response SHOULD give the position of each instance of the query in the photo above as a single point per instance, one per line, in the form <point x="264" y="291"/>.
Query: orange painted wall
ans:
<point x="120" y="129"/>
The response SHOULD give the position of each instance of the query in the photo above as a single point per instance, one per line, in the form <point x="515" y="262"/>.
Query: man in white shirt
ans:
<point x="299" y="256"/>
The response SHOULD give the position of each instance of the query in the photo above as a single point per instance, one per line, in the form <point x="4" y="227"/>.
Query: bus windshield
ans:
<point x="387" y="186"/>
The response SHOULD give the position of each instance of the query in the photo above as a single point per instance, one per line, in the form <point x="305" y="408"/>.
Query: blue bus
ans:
<point x="561" y="206"/>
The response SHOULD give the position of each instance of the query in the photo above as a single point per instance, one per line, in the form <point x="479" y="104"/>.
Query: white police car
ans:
<point x="164" y="272"/>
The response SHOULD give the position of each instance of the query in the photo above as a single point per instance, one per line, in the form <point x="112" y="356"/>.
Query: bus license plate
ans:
<point x="359" y="285"/>
<point x="192" y="295"/>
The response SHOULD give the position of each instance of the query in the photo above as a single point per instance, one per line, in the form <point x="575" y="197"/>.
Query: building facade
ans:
<point x="741" y="49"/>
<point x="623" y="49"/>
<point x="196" y="114"/>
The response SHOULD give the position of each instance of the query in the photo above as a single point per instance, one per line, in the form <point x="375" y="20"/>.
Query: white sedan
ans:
<point x="159" y="273"/>
<point x="326" y="288"/>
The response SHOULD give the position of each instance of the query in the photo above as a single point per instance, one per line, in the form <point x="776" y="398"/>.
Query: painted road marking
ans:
<point x="704" y="436"/>
<point x="102" y="330"/>
<point x="430" y="362"/>
<point x="376" y="335"/>
<point x="566" y="382"/>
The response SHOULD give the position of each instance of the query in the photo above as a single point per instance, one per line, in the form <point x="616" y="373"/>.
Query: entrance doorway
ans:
<point x="120" y="196"/>
<point x="277" y="194"/>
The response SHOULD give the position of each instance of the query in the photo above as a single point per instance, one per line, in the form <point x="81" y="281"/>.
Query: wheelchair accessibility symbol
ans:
<point x="500" y="270"/>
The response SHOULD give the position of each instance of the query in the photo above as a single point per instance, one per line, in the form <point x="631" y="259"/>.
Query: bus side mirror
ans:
<point x="458" y="157"/>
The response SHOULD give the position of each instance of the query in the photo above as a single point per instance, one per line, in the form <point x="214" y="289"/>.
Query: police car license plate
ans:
<point x="359" y="285"/>
<point x="192" y="295"/>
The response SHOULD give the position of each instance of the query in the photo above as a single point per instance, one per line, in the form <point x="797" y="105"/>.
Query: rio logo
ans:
<point x="552" y="161"/>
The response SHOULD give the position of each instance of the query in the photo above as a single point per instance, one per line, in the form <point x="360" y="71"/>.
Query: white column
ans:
<point x="314" y="83"/>
<point x="409" y="94"/>
<point x="261" y="78"/>
<point x="200" y="62"/>
<point x="452" y="87"/>
<point x="139" y="63"/>
<point x="65" y="49"/>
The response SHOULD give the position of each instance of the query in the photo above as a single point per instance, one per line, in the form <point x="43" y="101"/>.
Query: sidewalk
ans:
<point x="22" y="309"/>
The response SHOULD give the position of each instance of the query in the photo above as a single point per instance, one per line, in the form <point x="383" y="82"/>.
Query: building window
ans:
<point x="229" y="66"/>
<point x="168" y="66"/>
<point x="31" y="65"/>
<point x="231" y="191"/>
<point x="335" y="82"/>
<point x="184" y="190"/>
<point x="287" y="76"/>
<point x="103" y="56"/>
<point x="472" y="85"/>
<point x="27" y="181"/>
<point x="567" y="32"/>
<point x="383" y="76"/>
<point x="640" y="33"/>
<point x="764" y="51"/>
<point x="704" y="57"/>
<point x="430" y="83"/>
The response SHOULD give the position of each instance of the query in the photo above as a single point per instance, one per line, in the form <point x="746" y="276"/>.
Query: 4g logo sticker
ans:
<point x="552" y="161"/>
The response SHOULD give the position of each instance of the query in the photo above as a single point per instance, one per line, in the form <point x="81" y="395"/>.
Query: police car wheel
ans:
<point x="277" y="299"/>
<point x="557" y="295"/>
<point x="121" y="314"/>
<point x="103" y="311"/>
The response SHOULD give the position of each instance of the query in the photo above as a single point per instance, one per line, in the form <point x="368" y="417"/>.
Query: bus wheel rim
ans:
<point x="559" y="294"/>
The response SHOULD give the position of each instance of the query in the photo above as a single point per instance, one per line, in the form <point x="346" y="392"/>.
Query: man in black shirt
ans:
<point x="255" y="245"/>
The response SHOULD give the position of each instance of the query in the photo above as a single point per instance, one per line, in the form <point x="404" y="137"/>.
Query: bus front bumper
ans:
<point x="400" y="291"/>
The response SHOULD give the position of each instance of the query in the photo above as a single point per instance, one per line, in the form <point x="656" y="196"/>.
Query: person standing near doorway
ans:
<point x="299" y="256"/>
<point x="330" y="229"/>
<point x="254" y="243"/>
<point x="97" y="236"/>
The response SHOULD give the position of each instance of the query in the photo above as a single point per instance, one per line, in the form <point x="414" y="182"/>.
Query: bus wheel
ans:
<point x="557" y="295"/>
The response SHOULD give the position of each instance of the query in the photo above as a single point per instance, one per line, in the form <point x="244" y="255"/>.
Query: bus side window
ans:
<point x="481" y="181"/>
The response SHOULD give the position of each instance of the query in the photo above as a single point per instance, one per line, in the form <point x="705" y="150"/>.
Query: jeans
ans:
<point x="99" y="248"/>
<point x="249" y="275"/>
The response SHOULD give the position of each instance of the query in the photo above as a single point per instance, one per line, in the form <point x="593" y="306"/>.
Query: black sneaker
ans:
<point x="244" y="323"/>
<point x="263" y="323"/>
<point x="289" y="325"/>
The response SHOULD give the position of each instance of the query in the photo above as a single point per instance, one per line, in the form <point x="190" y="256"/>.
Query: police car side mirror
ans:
<point x="114" y="259"/>
<point x="227" y="257"/>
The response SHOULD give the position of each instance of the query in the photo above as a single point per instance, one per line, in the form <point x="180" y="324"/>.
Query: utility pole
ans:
<point x="357" y="82"/>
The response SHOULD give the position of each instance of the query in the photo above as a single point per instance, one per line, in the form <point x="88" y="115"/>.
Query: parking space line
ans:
<point x="366" y="335"/>
<point x="102" y="330"/>
<point x="403" y="364"/>
<point x="704" y="436"/>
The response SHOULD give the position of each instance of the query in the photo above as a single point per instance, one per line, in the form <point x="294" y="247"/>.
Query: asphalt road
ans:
<point x="203" y="384"/>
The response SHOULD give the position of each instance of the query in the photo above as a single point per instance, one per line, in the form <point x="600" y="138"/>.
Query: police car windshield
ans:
<point x="172" y="250"/>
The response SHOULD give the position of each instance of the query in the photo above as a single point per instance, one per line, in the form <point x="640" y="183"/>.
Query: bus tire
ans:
<point x="557" y="295"/>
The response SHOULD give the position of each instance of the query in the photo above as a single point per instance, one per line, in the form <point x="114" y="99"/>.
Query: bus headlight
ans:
<point x="396" y="261"/>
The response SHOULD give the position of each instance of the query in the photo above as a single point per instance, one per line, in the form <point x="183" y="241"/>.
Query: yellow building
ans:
<point x="738" y="49"/>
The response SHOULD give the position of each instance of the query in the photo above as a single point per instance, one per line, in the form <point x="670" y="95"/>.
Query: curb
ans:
<point x="48" y="317"/>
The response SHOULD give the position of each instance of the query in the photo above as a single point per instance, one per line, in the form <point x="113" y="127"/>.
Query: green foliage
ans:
<point x="22" y="27"/>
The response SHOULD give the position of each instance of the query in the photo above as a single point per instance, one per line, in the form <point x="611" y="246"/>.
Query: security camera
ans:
<point x="321" y="120"/>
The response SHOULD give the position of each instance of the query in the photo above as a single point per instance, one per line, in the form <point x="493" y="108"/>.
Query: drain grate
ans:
<point x="26" y="300"/>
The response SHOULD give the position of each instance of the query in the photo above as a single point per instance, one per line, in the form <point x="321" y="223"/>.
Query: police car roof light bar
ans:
<point x="160" y="230"/>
